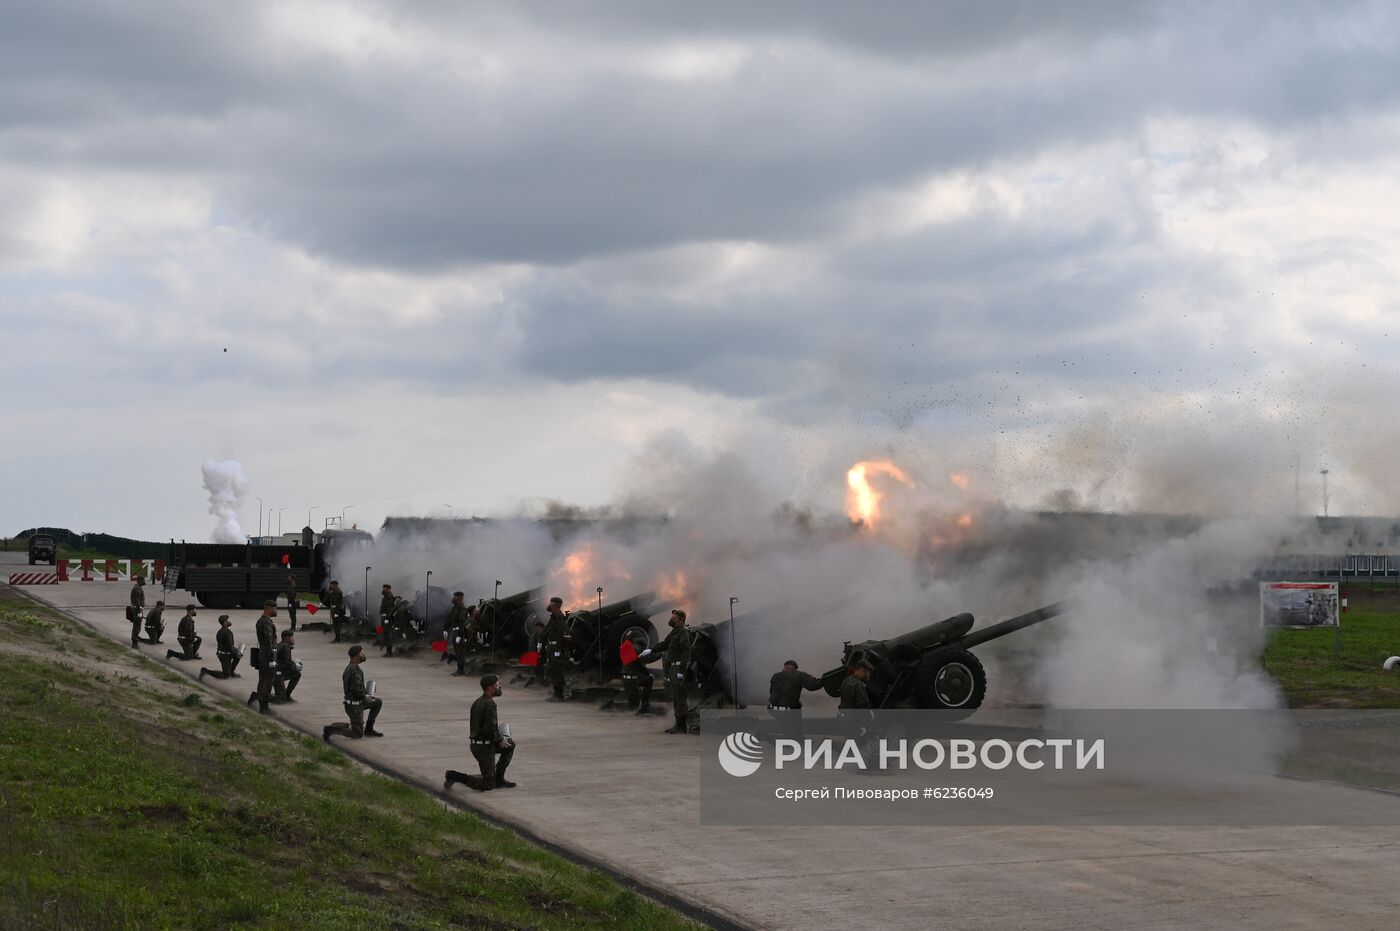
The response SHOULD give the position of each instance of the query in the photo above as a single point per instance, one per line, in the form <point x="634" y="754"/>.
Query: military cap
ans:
<point x="790" y="662"/>
<point x="863" y="662"/>
<point x="354" y="651"/>
<point x="489" y="679"/>
<point x="556" y="600"/>
<point x="222" y="618"/>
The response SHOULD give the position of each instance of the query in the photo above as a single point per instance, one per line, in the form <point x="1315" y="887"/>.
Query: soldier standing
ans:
<point x="266" y="630"/>
<point x="786" y="687"/>
<point x="226" y="651"/>
<point x="357" y="699"/>
<point x="138" y="593"/>
<point x="188" y="639"/>
<point x="335" y="600"/>
<point x="400" y="622"/>
<point x="155" y="623"/>
<point x="386" y="604"/>
<point x="133" y="614"/>
<point x="487" y="742"/>
<point x="675" y="652"/>
<point x="556" y="632"/>
<point x="457" y="631"/>
<point x="292" y="599"/>
<point x="637" y="680"/>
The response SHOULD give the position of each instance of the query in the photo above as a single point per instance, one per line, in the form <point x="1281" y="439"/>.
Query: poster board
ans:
<point x="1299" y="604"/>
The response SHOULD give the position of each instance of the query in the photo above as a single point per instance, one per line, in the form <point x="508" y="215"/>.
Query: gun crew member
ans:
<point x="335" y="600"/>
<point x="786" y="687"/>
<point x="266" y="630"/>
<point x="457" y="631"/>
<point x="556" y="636"/>
<point x="138" y="593"/>
<point x="225" y="650"/>
<point x="637" y="680"/>
<point x="492" y="749"/>
<point x="184" y="633"/>
<point x="287" y="671"/>
<point x="357" y="699"/>
<point x="675" y="652"/>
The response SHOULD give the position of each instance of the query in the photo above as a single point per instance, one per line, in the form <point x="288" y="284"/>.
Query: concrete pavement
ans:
<point x="613" y="787"/>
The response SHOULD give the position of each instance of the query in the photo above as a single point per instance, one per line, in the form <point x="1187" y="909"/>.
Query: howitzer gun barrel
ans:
<point x="1020" y="622"/>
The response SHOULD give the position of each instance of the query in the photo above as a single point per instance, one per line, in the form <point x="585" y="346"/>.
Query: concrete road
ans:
<point x="615" y="788"/>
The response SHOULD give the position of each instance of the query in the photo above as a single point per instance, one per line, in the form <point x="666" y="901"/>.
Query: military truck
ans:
<point x="234" y="575"/>
<point x="43" y="548"/>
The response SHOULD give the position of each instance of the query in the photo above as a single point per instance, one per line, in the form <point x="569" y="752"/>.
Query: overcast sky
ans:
<point x="479" y="255"/>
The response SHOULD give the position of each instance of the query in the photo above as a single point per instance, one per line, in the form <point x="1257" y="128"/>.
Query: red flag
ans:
<point x="379" y="629"/>
<point x="311" y="609"/>
<point x="627" y="652"/>
<point x="439" y="646"/>
<point x="530" y="659"/>
<point x="287" y="560"/>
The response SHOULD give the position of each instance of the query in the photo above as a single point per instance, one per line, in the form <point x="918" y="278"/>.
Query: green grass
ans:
<point x="1304" y="664"/>
<point x="130" y="801"/>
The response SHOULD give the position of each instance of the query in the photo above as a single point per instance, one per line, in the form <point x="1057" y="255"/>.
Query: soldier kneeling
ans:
<point x="357" y="699"/>
<point x="487" y="743"/>
<point x="226" y="651"/>
<point x="185" y="635"/>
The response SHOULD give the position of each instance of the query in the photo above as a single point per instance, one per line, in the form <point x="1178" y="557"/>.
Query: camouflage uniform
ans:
<point x="637" y="682"/>
<point x="486" y="744"/>
<point x="138" y="595"/>
<point x="786" y="686"/>
<point x="854" y="695"/>
<point x="133" y="614"/>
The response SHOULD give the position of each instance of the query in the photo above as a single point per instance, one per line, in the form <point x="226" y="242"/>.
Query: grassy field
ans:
<point x="1304" y="662"/>
<point x="131" y="799"/>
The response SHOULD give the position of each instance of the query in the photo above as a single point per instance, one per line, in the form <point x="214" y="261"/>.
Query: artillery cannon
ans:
<point x="595" y="635"/>
<point x="506" y="622"/>
<point x="932" y="667"/>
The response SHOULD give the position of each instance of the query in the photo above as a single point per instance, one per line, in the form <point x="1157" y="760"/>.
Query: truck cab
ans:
<point x="43" y="548"/>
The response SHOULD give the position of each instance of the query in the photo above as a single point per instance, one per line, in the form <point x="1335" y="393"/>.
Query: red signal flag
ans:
<point x="439" y="646"/>
<point x="311" y="609"/>
<point x="627" y="652"/>
<point x="530" y="659"/>
<point x="287" y="559"/>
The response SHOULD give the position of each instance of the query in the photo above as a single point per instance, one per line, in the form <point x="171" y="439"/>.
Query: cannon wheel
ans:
<point x="951" y="679"/>
<point x="218" y="600"/>
<point x="624" y="627"/>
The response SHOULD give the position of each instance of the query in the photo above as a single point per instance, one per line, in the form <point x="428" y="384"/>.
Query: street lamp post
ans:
<point x="314" y="507"/>
<point x="427" y="599"/>
<point x="367" y="618"/>
<point x="279" y="518"/>
<point x="342" y="515"/>
<point x="1324" y="491"/>
<point x="601" y="680"/>
<point x="259" y="518"/>
<point x="734" y="652"/>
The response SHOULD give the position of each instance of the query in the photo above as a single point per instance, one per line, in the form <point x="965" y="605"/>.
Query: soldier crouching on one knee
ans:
<point x="188" y="639"/>
<point x="493" y="750"/>
<point x="357" y="699"/>
<point x="287" y="671"/>
<point x="225" y="650"/>
<point x="155" y="623"/>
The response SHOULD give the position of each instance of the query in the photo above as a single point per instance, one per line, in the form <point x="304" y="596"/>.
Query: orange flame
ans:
<point x="579" y="575"/>
<point x="862" y="500"/>
<point x="673" y="587"/>
<point x="964" y="521"/>
<point x="960" y="480"/>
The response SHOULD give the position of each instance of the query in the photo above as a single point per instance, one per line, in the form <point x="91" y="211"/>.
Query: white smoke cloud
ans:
<point x="226" y="485"/>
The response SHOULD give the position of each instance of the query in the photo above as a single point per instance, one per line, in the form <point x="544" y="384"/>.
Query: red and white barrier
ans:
<point x="33" y="578"/>
<point x="111" y="570"/>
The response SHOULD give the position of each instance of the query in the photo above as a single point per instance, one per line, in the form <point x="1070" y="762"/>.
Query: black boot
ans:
<point x="252" y="697"/>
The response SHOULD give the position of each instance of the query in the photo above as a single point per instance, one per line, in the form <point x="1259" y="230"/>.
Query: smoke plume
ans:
<point x="226" y="485"/>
